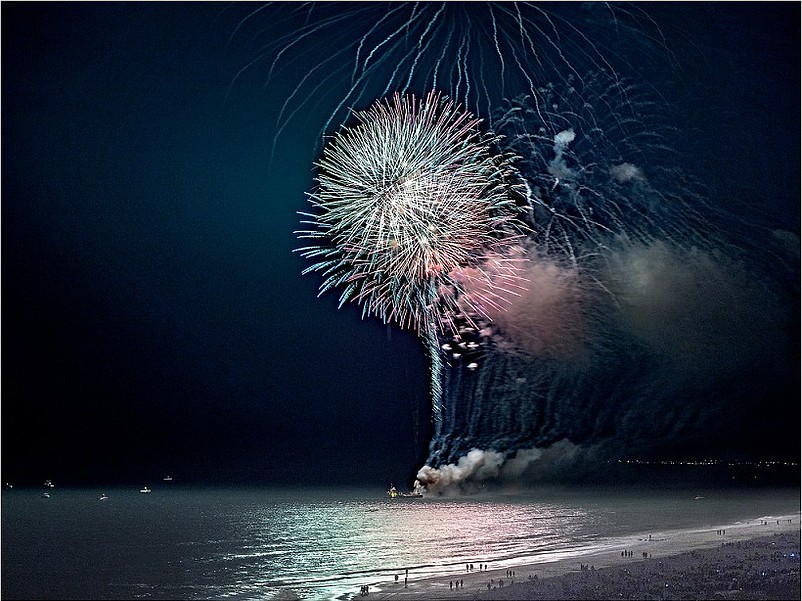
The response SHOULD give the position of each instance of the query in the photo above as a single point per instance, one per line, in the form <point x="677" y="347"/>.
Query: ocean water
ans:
<point x="182" y="543"/>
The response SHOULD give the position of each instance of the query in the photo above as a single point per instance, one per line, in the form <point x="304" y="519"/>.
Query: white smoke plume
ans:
<point x="627" y="172"/>
<point x="558" y="167"/>
<point x="478" y="468"/>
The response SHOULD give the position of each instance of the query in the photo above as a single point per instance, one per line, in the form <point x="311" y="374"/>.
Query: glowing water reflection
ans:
<point x="327" y="547"/>
<point x="337" y="545"/>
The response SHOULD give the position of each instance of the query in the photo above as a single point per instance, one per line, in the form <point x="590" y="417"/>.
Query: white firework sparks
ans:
<point x="405" y="200"/>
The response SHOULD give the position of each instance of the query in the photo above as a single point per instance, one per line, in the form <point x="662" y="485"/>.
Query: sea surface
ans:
<point x="184" y="543"/>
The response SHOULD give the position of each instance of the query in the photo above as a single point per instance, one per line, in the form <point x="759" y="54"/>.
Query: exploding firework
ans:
<point x="407" y="200"/>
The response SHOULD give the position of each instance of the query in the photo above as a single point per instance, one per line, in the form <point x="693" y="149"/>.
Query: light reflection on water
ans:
<point x="387" y="535"/>
<point x="251" y="544"/>
<point x="331" y="546"/>
<point x="325" y="547"/>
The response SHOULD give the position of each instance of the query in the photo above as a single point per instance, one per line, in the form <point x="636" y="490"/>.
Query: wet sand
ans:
<point x="751" y="560"/>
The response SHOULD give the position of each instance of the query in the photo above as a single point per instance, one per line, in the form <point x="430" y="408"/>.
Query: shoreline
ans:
<point x="685" y="548"/>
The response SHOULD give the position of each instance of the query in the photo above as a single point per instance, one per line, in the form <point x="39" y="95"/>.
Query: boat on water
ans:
<point x="394" y="493"/>
<point x="145" y="489"/>
<point x="46" y="495"/>
<point x="103" y="497"/>
<point x="168" y="478"/>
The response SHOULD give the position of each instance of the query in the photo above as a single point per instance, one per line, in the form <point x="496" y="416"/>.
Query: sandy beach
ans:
<point x="758" y="559"/>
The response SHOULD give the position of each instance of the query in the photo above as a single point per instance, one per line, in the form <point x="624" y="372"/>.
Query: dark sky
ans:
<point x="154" y="318"/>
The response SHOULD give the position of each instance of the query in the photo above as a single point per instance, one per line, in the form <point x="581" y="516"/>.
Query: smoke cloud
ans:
<point x="480" y="469"/>
<point x="545" y="318"/>
<point x="696" y="307"/>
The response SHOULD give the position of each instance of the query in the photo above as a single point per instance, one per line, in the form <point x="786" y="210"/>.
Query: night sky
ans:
<point x="154" y="317"/>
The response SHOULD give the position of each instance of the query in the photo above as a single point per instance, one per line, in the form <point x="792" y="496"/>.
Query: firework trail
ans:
<point x="351" y="55"/>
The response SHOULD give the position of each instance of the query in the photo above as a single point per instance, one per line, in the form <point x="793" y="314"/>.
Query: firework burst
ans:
<point x="406" y="199"/>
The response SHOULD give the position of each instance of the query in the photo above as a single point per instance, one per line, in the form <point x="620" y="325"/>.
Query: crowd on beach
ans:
<point x="763" y="568"/>
<point x="766" y="567"/>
